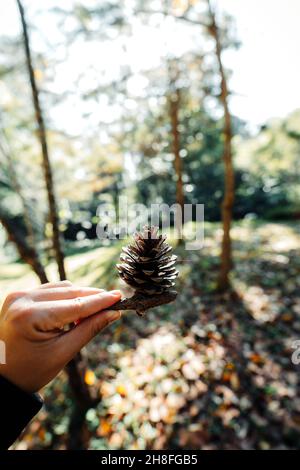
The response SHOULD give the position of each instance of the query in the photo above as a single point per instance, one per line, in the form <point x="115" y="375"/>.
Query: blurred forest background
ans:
<point x="137" y="98"/>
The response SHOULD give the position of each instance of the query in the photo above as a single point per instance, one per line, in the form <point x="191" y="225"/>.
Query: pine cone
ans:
<point x="148" y="265"/>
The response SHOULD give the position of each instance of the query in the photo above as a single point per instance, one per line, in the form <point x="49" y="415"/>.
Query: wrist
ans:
<point x="16" y="379"/>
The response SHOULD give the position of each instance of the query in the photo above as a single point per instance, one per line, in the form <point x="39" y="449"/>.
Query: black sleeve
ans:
<point x="17" y="408"/>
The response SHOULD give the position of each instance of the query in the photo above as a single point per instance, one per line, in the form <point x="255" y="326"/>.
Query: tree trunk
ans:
<point x="83" y="401"/>
<point x="74" y="369"/>
<point x="228" y="199"/>
<point x="44" y="147"/>
<point x="174" y="106"/>
<point x="174" y="112"/>
<point x="26" y="252"/>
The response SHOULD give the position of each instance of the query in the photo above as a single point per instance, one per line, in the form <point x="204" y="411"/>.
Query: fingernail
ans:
<point x="114" y="315"/>
<point x="115" y="293"/>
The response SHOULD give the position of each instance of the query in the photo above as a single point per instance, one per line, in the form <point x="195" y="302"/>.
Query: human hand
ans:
<point x="32" y="328"/>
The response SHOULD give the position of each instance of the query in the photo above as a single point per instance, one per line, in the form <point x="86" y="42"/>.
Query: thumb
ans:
<point x="75" y="339"/>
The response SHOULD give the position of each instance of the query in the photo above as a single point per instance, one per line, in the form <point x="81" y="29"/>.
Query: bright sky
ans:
<point x="266" y="69"/>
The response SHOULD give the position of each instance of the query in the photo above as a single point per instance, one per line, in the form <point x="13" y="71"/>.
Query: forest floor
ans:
<point x="210" y="371"/>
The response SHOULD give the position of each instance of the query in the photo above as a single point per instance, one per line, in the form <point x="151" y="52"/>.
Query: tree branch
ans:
<point x="168" y="14"/>
<point x="140" y="303"/>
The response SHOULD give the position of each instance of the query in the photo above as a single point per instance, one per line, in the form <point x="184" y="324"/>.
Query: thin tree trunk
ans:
<point x="45" y="154"/>
<point x="74" y="369"/>
<point x="26" y="252"/>
<point x="228" y="199"/>
<point x="83" y="400"/>
<point x="174" y="112"/>
<point x="174" y="106"/>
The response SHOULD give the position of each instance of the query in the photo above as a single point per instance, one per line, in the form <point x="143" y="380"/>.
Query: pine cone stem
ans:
<point x="140" y="303"/>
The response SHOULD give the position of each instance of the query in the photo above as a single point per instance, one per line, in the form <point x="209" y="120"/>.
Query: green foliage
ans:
<point x="270" y="163"/>
<point x="266" y="180"/>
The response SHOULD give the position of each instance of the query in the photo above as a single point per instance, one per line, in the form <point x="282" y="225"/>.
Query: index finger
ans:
<point x="61" y="312"/>
<point x="50" y="285"/>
